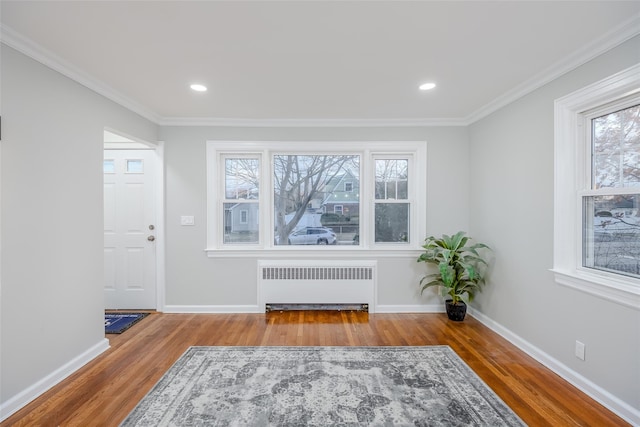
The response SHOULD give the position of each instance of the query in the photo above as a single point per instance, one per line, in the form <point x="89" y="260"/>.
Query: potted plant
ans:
<point x="460" y="270"/>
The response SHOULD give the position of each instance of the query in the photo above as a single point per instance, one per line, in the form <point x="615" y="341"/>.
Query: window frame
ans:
<point x="587" y="188"/>
<point x="409" y="200"/>
<point x="217" y="173"/>
<point x="572" y="171"/>
<point x="216" y="151"/>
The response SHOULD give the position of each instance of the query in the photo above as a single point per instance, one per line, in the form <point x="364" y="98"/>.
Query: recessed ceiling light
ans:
<point x="198" y="88"/>
<point x="427" y="86"/>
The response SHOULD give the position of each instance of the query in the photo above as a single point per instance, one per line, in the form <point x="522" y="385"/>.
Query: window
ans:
<point x="109" y="166"/>
<point x="135" y="166"/>
<point x="324" y="199"/>
<point x="300" y="179"/>
<point x="611" y="204"/>
<point x="241" y="199"/>
<point x="597" y="189"/>
<point x="392" y="200"/>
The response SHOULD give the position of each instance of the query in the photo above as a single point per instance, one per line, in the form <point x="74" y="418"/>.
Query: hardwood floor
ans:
<point x="103" y="392"/>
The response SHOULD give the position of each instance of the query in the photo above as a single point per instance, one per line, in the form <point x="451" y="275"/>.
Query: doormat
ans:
<point x="321" y="386"/>
<point x="117" y="323"/>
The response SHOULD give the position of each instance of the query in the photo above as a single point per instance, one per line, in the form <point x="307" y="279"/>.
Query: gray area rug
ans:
<point x="321" y="386"/>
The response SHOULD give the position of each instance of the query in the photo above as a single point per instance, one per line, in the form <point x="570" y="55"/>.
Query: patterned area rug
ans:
<point x="320" y="386"/>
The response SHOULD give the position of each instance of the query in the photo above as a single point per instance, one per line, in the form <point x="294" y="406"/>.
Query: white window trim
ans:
<point x="571" y="160"/>
<point x="265" y="149"/>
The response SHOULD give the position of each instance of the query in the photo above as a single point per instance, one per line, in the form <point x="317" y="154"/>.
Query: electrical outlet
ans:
<point x="580" y="350"/>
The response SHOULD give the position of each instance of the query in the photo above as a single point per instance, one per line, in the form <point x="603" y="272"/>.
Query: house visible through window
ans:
<point x="241" y="199"/>
<point x="317" y="179"/>
<point x="316" y="194"/>
<point x="392" y="200"/>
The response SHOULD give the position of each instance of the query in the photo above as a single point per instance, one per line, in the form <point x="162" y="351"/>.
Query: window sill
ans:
<point x="623" y="292"/>
<point x="297" y="253"/>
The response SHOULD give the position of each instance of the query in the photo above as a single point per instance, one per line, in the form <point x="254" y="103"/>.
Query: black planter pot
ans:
<point x="457" y="311"/>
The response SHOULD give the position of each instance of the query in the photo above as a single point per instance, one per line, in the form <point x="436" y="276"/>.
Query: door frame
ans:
<point x="159" y="232"/>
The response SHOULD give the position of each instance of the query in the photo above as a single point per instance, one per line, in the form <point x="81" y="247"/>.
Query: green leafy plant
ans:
<point x="460" y="266"/>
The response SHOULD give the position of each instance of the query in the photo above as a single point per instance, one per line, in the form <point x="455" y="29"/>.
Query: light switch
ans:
<point x="187" y="220"/>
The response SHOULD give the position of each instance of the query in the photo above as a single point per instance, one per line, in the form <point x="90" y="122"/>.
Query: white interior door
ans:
<point x="129" y="225"/>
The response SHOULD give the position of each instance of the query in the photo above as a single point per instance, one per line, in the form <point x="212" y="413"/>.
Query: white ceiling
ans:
<point x="315" y="60"/>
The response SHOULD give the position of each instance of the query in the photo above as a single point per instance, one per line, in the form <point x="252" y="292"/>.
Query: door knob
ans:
<point x="151" y="238"/>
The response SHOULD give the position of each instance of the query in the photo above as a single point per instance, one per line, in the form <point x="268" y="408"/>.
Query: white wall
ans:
<point x="194" y="279"/>
<point x="52" y="221"/>
<point x="511" y="155"/>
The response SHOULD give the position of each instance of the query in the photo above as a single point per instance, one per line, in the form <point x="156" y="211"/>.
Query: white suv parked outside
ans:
<point x="313" y="236"/>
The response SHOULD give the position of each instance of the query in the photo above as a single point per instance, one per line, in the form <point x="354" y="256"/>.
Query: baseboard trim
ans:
<point x="614" y="404"/>
<point x="226" y="309"/>
<point x="212" y="309"/>
<point x="430" y="308"/>
<point x="20" y="400"/>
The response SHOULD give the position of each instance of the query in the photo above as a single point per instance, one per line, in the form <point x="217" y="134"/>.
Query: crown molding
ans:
<point x="608" y="41"/>
<point x="319" y="123"/>
<point x="611" y="39"/>
<point x="33" y="50"/>
<point x="15" y="40"/>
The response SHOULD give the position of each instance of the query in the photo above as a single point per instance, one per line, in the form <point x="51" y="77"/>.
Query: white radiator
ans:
<point x="326" y="282"/>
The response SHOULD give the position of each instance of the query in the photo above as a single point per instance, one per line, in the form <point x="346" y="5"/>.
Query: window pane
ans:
<point x="392" y="222"/>
<point x="307" y="192"/>
<point x="391" y="179"/>
<point x="241" y="222"/>
<point x="241" y="178"/>
<point x="134" y="166"/>
<point x="611" y="239"/>
<point x="109" y="166"/>
<point x="616" y="149"/>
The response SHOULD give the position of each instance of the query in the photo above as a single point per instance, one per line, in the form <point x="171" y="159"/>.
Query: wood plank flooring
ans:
<point x="103" y="392"/>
